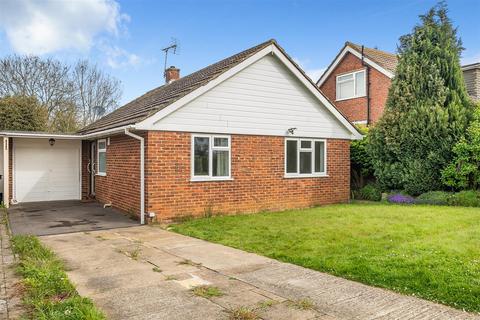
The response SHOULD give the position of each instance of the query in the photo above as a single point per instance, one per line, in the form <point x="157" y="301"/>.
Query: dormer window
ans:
<point x="351" y="85"/>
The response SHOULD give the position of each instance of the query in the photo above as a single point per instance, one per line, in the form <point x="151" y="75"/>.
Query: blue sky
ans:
<point x="126" y="37"/>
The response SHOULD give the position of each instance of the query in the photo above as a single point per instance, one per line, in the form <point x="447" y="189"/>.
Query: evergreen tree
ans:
<point x="427" y="109"/>
<point x="22" y="113"/>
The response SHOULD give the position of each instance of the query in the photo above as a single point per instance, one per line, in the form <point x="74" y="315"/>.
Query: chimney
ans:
<point x="172" y="74"/>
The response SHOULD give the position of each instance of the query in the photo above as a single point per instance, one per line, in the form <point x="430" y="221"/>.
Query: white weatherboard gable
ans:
<point x="265" y="98"/>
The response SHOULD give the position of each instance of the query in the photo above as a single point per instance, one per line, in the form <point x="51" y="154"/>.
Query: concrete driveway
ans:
<point x="147" y="273"/>
<point x="56" y="217"/>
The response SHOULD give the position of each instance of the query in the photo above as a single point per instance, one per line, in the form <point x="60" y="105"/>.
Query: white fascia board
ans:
<point x="149" y="122"/>
<point x="103" y="133"/>
<point x="13" y="134"/>
<point x="471" y="66"/>
<point x="346" y="50"/>
<point x="108" y="132"/>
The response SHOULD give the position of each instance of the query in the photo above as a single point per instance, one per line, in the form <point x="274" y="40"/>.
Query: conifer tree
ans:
<point x="427" y="109"/>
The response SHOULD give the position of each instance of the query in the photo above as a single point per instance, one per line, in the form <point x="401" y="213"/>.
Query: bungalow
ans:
<point x="249" y="133"/>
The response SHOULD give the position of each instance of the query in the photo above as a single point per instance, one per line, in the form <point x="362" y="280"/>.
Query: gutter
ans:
<point x="142" y="172"/>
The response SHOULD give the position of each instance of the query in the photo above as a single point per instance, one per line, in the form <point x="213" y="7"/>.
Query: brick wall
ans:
<point x="121" y="185"/>
<point x="257" y="170"/>
<point x="356" y="109"/>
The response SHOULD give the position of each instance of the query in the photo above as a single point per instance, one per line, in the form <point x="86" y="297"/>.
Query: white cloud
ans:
<point x="118" y="58"/>
<point x="313" y="73"/>
<point x="46" y="26"/>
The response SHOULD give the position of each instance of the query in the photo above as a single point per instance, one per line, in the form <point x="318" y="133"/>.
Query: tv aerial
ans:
<point x="174" y="48"/>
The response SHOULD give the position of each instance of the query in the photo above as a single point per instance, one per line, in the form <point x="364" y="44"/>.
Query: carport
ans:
<point x="41" y="183"/>
<point x="57" y="217"/>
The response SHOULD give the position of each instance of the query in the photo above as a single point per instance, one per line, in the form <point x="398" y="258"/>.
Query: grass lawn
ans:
<point x="430" y="251"/>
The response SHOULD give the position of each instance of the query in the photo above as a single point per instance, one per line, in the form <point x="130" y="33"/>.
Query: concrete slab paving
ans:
<point x="148" y="273"/>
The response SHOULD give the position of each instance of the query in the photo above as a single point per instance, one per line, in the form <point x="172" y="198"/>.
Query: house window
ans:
<point x="305" y="157"/>
<point x="210" y="157"/>
<point x="351" y="85"/>
<point x="102" y="157"/>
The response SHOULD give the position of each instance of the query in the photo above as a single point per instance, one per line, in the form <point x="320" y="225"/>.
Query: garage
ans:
<point x="46" y="169"/>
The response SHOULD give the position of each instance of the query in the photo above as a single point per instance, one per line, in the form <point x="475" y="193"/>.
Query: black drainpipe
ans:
<point x="367" y="80"/>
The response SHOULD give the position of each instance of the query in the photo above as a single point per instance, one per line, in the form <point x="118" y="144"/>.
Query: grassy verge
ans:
<point x="48" y="292"/>
<point x="428" y="251"/>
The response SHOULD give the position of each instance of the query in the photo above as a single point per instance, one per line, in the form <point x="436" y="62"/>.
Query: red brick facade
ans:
<point x="356" y="109"/>
<point x="257" y="170"/>
<point x="121" y="185"/>
<point x="258" y="178"/>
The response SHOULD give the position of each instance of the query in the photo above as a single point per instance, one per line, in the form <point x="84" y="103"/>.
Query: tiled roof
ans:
<point x="386" y="60"/>
<point x="159" y="98"/>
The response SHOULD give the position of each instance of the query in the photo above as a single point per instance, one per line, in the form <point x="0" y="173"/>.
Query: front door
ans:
<point x="93" y="166"/>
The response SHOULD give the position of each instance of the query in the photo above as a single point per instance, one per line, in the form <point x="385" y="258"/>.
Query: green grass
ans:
<point x="207" y="292"/>
<point x="48" y="292"/>
<point x="428" y="251"/>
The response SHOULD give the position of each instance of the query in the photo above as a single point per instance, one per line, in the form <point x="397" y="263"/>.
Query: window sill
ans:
<point x="101" y="174"/>
<point x="207" y="179"/>
<point x="297" y="176"/>
<point x="350" y="98"/>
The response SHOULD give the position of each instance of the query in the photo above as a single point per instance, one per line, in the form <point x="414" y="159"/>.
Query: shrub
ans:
<point x="360" y="161"/>
<point x="370" y="192"/>
<point x="464" y="170"/>
<point x="469" y="198"/>
<point x="400" y="198"/>
<point x="439" y="198"/>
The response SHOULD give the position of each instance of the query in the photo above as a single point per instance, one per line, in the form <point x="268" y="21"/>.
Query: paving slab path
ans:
<point x="148" y="273"/>
<point x="10" y="293"/>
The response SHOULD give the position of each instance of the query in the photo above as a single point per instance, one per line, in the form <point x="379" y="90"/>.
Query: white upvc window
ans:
<point x="351" y="85"/>
<point x="102" y="157"/>
<point x="305" y="158"/>
<point x="211" y="157"/>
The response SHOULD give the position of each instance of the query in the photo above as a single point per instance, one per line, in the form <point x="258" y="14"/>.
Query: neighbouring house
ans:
<point x="471" y="74"/>
<point x="249" y="133"/>
<point x="358" y="80"/>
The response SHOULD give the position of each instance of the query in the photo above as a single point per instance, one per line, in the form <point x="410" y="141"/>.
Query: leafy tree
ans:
<point x="427" y="109"/>
<point x="22" y="113"/>
<point x="464" y="170"/>
<point x="65" y="119"/>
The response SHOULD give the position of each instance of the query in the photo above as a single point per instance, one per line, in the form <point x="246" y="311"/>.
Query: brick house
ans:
<point x="358" y="80"/>
<point x="249" y="133"/>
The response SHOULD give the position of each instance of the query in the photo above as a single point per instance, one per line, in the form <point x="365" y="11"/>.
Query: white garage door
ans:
<point x="43" y="172"/>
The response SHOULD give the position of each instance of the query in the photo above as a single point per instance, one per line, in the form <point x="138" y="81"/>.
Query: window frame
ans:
<point x="211" y="148"/>
<point x="99" y="150"/>
<point x="354" y="73"/>
<point x="312" y="150"/>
